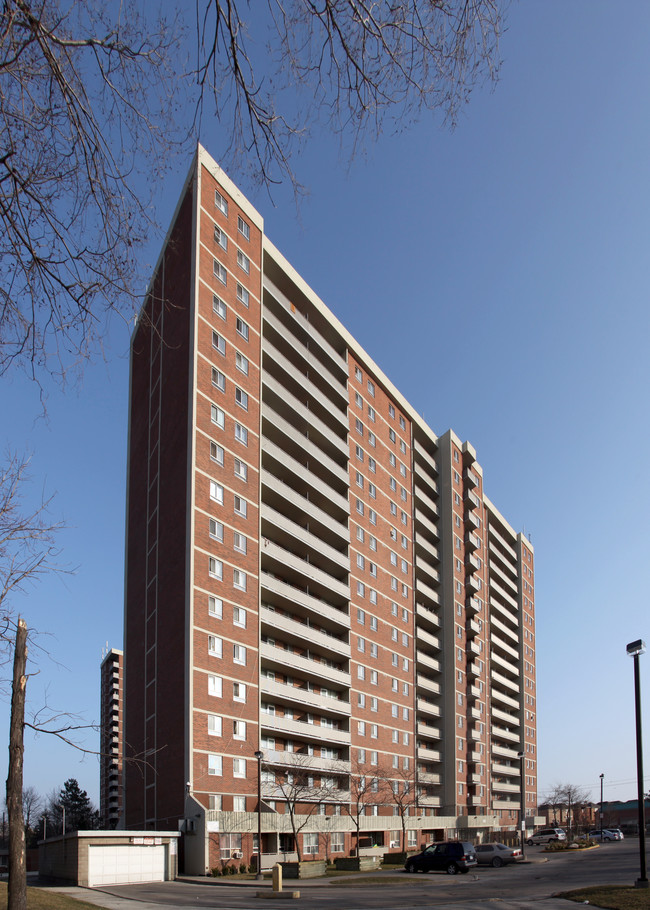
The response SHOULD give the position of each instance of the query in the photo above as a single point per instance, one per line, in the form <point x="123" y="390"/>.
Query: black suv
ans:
<point x="450" y="857"/>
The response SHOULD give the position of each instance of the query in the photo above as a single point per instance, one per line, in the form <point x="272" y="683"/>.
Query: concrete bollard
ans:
<point x="277" y="877"/>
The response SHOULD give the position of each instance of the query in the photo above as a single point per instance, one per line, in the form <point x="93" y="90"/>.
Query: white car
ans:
<point x="546" y="836"/>
<point x="608" y="834"/>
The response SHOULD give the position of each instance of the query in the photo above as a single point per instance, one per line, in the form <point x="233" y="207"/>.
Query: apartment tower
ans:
<point x="110" y="762"/>
<point x="317" y="587"/>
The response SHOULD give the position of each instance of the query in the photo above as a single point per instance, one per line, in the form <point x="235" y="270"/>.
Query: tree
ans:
<point x="73" y="805"/>
<point x="366" y="789"/>
<point x="94" y="102"/>
<point x="303" y="789"/>
<point x="404" y="795"/>
<point x="570" y="797"/>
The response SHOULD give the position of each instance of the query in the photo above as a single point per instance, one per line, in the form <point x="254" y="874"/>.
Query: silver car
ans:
<point x="497" y="854"/>
<point x="546" y="836"/>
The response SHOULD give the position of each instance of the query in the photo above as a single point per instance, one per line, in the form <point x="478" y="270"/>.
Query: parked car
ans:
<point x="450" y="857"/>
<point x="546" y="836"/>
<point x="497" y="854"/>
<point x="617" y="831"/>
<point x="609" y="834"/>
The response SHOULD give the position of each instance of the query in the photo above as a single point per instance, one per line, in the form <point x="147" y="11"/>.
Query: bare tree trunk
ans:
<point x="17" y="892"/>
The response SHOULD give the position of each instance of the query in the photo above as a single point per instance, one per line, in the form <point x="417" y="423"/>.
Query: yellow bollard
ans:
<point x="277" y="877"/>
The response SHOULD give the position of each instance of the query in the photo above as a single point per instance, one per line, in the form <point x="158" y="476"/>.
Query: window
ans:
<point x="372" y="594"/>
<point x="374" y="702"/>
<point x="372" y="543"/>
<point x="372" y="491"/>
<point x="361" y="699"/>
<point x="358" y="426"/>
<point x="361" y="672"/>
<point x="358" y="374"/>
<point x="216" y="492"/>
<point x="402" y="447"/>
<point x="218" y="306"/>
<point x="239" y="729"/>
<point x="361" y="644"/>
<point x="218" y="379"/>
<point x="242" y="295"/>
<point x="239" y="767"/>
<point x="239" y="654"/>
<point x="402" y="469"/>
<point x="372" y="465"/>
<point x="240" y="542"/>
<point x="361" y="534"/>
<point x="218" y="343"/>
<point x="219" y="271"/>
<point x="239" y="581"/>
<point x="216" y="530"/>
<point x="402" y="493"/>
<point x="391" y="459"/>
<point x="372" y="439"/>
<point x="360" y="561"/>
<point x="361" y="589"/>
<point x="216" y="453"/>
<point x="217" y="416"/>
<point x="371" y="414"/>
<point x="374" y="731"/>
<point x="373" y="569"/>
<point x="391" y="411"/>
<point x="361" y="728"/>
<point x="242" y="328"/>
<point x="238" y="692"/>
<point x="402" y="422"/>
<point x="239" y="617"/>
<point x="215" y="568"/>
<point x="215" y="765"/>
<point x="220" y="238"/>
<point x="361" y="617"/>
<point x="393" y="484"/>
<point x="310" y="842"/>
<point x="215" y="686"/>
<point x="215" y="646"/>
<point x="371" y="388"/>
<point x="241" y="434"/>
<point x="337" y="842"/>
<point x="358" y="400"/>
<point x="241" y="469"/>
<point x="215" y="607"/>
<point x="359" y="453"/>
<point x="214" y="725"/>
<point x="243" y="228"/>
<point x="359" y="479"/>
<point x="391" y="435"/>
<point x="241" y="363"/>
<point x="241" y="398"/>
<point x="372" y="516"/>
<point x="221" y="203"/>
<point x="393" y="508"/>
<point x="373" y="623"/>
<point x="394" y="710"/>
<point x="374" y="677"/>
<point x="360" y="507"/>
<point x="243" y="262"/>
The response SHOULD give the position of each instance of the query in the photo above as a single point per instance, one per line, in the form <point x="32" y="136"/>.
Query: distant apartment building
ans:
<point x="111" y="708"/>
<point x="315" y="580"/>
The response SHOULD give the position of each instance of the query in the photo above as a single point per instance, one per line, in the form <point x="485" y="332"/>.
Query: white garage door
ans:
<point x="124" y="863"/>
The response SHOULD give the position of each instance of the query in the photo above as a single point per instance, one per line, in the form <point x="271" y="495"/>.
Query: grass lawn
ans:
<point x="39" y="899"/>
<point x="611" y="897"/>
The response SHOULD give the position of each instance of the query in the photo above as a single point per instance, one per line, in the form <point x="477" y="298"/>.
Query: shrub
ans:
<point x="252" y="867"/>
<point x="243" y="868"/>
<point x="216" y="871"/>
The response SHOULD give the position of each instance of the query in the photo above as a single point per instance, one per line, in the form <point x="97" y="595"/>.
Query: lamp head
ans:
<point x="636" y="647"/>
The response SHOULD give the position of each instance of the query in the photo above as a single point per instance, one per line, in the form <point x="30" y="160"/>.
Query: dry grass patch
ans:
<point x="611" y="897"/>
<point x="40" y="899"/>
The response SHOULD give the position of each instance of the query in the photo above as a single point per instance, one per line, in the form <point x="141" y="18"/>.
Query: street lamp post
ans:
<point x="602" y="777"/>
<point x="258" y="756"/>
<point x="635" y="649"/>
<point x="522" y="801"/>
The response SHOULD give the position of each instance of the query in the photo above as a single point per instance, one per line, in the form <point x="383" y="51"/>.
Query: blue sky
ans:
<point x="510" y="259"/>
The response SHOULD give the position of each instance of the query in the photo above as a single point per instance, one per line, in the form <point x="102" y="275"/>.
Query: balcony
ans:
<point x="473" y="605"/>
<point x="281" y="529"/>
<point x="426" y="754"/>
<point x="424" y="546"/>
<point x="425" y="660"/>
<point x="504" y="665"/>
<point x="427" y="730"/>
<point x="472" y="541"/>
<point x="300" y="760"/>
<point x="426" y="591"/>
<point x="426" y="638"/>
<point x="473" y="520"/>
<point x="335" y="416"/>
<point x="301" y="447"/>
<point x="471" y="499"/>
<point x="495" y="536"/>
<point x="302" y="632"/>
<point x="424" y="522"/>
<point x="425" y="456"/>
<point x="277" y="691"/>
<point x="512" y="736"/>
<point x="424" y="567"/>
<point x="472" y="583"/>
<point x="285" y="499"/>
<point x="296" y="569"/>
<point x="472" y="627"/>
<point x="428" y="777"/>
<point x="302" y="731"/>
<point x="504" y="751"/>
<point x="301" y="328"/>
<point x="498" y="695"/>
<point x="425" y="501"/>
<point x="512" y="770"/>
<point x="472" y="563"/>
<point x="498" y="590"/>
<point x="297" y="477"/>
<point x="501" y="680"/>
<point x="503" y="786"/>
<point x="473" y="669"/>
<point x="427" y="801"/>
<point x="424" y="478"/>
<point x="425" y="706"/>
<point x="427" y="615"/>
<point x="429" y="685"/>
<point x="281" y="593"/>
<point x="271" y="655"/>
<point x="470" y="478"/>
<point x="507" y="718"/>
<point x="510" y="805"/>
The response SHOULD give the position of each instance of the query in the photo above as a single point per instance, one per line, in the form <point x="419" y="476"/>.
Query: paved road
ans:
<point x="528" y="886"/>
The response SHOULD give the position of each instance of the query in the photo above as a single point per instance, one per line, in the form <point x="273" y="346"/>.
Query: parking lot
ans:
<point x="530" y="884"/>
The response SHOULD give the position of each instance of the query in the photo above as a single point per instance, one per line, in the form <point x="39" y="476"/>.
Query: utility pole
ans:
<point x="17" y="889"/>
